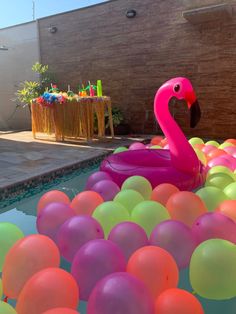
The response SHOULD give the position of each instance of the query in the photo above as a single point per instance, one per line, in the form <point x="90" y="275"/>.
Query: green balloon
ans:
<point x="109" y="214"/>
<point x="148" y="214"/>
<point x="225" y="144"/>
<point x="219" y="180"/>
<point x="196" y="140"/>
<point x="213" y="143"/>
<point x="156" y="147"/>
<point x="6" y="308"/>
<point x="0" y="288"/>
<point x="230" y="191"/>
<point x="139" y="184"/>
<point x="211" y="196"/>
<point x="120" y="150"/>
<point x="212" y="269"/>
<point x="9" y="234"/>
<point x="129" y="199"/>
<point x="221" y="169"/>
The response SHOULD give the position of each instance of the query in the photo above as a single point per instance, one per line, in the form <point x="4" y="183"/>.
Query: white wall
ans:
<point x="15" y="67"/>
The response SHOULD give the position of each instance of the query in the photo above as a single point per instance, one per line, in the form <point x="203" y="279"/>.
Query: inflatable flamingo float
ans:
<point x="179" y="165"/>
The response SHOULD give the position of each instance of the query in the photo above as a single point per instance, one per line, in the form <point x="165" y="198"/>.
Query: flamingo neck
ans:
<point x="183" y="156"/>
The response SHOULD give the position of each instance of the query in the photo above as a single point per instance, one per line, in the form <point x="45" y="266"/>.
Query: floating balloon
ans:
<point x="215" y="153"/>
<point x="214" y="225"/>
<point x="9" y="234"/>
<point x="48" y="289"/>
<point x="228" y="208"/>
<point x="201" y="156"/>
<point x="52" y="217"/>
<point x="163" y="142"/>
<point x="213" y="143"/>
<point x="231" y="150"/>
<point x="212" y="269"/>
<point x="96" y="177"/>
<point x="230" y="191"/>
<point x="95" y="260"/>
<point x="137" y="145"/>
<point x="85" y="202"/>
<point x="211" y="196"/>
<point x="155" y="267"/>
<point x="221" y="169"/>
<point x="6" y="308"/>
<point x="120" y="150"/>
<point x="178" y="301"/>
<point x="75" y="232"/>
<point x="155" y="147"/>
<point x="26" y="257"/>
<point x="52" y="197"/>
<point x="61" y="310"/>
<point x="208" y="148"/>
<point x="107" y="189"/>
<point x="185" y="206"/>
<point x="163" y="192"/>
<point x="226" y="144"/>
<point x="110" y="214"/>
<point x="231" y="140"/>
<point x="219" y="180"/>
<point x="148" y="214"/>
<point x="129" y="237"/>
<point x="129" y="199"/>
<point x="139" y="184"/>
<point x="176" y="238"/>
<point x="120" y="293"/>
<point x="156" y="140"/>
<point x="221" y="161"/>
<point x="196" y="140"/>
<point x="0" y="288"/>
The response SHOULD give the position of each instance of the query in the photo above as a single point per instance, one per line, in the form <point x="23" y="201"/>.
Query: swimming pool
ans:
<point x="21" y="211"/>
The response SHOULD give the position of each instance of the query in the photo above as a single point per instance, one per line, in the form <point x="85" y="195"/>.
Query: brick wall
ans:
<point x="133" y="57"/>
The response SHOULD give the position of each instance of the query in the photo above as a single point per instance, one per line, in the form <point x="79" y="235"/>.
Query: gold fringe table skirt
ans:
<point x="72" y="119"/>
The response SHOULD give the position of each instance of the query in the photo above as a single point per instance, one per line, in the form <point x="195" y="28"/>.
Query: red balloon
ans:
<point x="163" y="192"/>
<point x="177" y="301"/>
<point x="85" y="202"/>
<point x="61" y="310"/>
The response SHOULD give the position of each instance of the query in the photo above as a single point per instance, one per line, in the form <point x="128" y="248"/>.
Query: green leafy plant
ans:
<point x="117" y="117"/>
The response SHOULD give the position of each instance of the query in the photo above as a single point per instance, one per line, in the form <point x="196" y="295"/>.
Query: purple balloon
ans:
<point x="214" y="225"/>
<point x="120" y="293"/>
<point x="137" y="145"/>
<point x="176" y="238"/>
<point x="51" y="217"/>
<point x="75" y="232"/>
<point x="96" y="177"/>
<point x="107" y="189"/>
<point x="95" y="260"/>
<point x="129" y="237"/>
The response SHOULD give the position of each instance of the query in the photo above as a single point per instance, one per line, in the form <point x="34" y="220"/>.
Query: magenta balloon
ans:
<point x="214" y="225"/>
<point x="137" y="145"/>
<point x="129" y="237"/>
<point x="75" y="232"/>
<point x="221" y="161"/>
<point x="166" y="146"/>
<point x="52" y="217"/>
<point x="230" y="150"/>
<point x="95" y="260"/>
<point x="176" y="238"/>
<point x="120" y="293"/>
<point x="208" y="148"/>
<point x="148" y="145"/>
<point x="107" y="189"/>
<point x="96" y="177"/>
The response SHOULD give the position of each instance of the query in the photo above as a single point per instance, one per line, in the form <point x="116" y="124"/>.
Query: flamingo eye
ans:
<point x="177" y="88"/>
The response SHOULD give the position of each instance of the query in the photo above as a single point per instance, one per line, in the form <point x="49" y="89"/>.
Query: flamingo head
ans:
<point x="182" y="89"/>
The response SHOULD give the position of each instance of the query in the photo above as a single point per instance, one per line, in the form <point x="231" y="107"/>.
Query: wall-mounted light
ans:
<point x="131" y="13"/>
<point x="52" y="29"/>
<point x="4" y="48"/>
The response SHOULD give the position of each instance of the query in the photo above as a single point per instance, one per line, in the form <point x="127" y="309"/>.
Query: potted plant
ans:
<point x="120" y="128"/>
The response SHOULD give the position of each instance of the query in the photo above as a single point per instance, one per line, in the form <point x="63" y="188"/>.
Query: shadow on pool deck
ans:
<point x="23" y="158"/>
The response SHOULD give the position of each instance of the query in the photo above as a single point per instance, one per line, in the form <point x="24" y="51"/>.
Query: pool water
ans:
<point x="22" y="212"/>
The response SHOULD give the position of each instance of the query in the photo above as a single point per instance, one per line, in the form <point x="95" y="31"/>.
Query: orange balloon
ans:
<point x="228" y="208"/>
<point x="215" y="153"/>
<point x="162" y="192"/>
<point x="199" y="146"/>
<point x="156" y="140"/>
<point x="163" y="142"/>
<point x="50" y="288"/>
<point x="61" y="310"/>
<point x="86" y="202"/>
<point x="50" y="197"/>
<point x="155" y="267"/>
<point x="25" y="258"/>
<point x="186" y="207"/>
<point x="231" y="140"/>
<point x="177" y="301"/>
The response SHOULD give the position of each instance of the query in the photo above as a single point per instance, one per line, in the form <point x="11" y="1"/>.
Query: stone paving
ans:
<point x="22" y="157"/>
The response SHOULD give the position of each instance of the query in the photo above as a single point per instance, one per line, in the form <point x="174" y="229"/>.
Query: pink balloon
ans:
<point x="231" y="150"/>
<point x="107" y="189"/>
<point x="222" y="161"/>
<point x="208" y="148"/>
<point x="137" y="145"/>
<point x="214" y="225"/>
<point x="96" y="177"/>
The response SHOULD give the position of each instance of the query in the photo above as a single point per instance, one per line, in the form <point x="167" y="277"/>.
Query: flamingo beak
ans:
<point x="195" y="114"/>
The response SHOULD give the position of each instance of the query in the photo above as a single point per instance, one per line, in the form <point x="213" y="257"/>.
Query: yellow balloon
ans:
<point x="226" y="144"/>
<point x="6" y="308"/>
<point x="221" y="169"/>
<point x="196" y="140"/>
<point x="213" y="143"/>
<point x="201" y="156"/>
